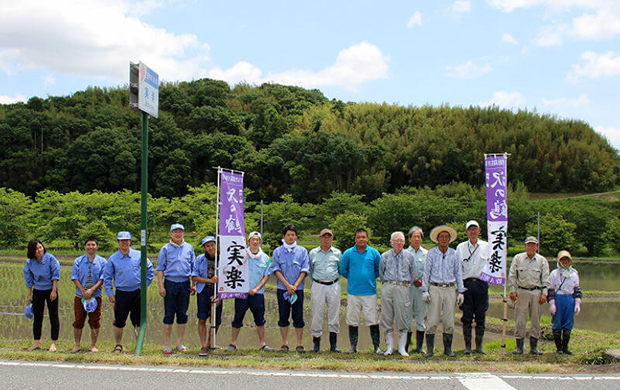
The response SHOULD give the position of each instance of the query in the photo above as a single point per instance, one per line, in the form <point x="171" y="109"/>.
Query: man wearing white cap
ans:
<point x="442" y="272"/>
<point x="528" y="281"/>
<point x="175" y="262"/>
<point x="325" y="274"/>
<point x="124" y="268"/>
<point x="473" y="255"/>
<point x="260" y="269"/>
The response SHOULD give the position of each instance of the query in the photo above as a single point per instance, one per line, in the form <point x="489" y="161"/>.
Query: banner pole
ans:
<point x="217" y="268"/>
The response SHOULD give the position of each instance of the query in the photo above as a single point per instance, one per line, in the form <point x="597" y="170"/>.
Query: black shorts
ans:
<point x="127" y="302"/>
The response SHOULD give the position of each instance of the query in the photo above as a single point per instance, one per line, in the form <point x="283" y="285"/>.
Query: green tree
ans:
<point x="555" y="234"/>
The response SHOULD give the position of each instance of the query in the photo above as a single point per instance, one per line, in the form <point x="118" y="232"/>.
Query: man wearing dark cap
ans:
<point x="442" y="272"/>
<point x="528" y="281"/>
<point x="324" y="264"/>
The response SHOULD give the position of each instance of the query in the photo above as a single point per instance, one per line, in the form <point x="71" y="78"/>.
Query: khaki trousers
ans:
<point x="443" y="299"/>
<point x="527" y="304"/>
<point x="395" y="308"/>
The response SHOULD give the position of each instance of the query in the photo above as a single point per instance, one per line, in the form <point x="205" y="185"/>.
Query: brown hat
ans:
<point x="326" y="231"/>
<point x="531" y="239"/>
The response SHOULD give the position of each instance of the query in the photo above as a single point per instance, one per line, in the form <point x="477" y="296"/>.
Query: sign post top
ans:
<point x="144" y="89"/>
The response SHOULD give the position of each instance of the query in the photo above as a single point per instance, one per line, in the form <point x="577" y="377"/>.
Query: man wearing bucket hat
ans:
<point x="528" y="281"/>
<point x="290" y="265"/>
<point x="205" y="277"/>
<point x="564" y="301"/>
<point x="260" y="269"/>
<point x="397" y="271"/>
<point x="87" y="274"/>
<point x="175" y="262"/>
<point x="324" y="264"/>
<point x="123" y="267"/>
<point x="442" y="272"/>
<point x="473" y="255"/>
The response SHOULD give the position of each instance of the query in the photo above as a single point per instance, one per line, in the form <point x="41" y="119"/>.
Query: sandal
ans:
<point x="182" y="349"/>
<point x="231" y="347"/>
<point x="284" y="348"/>
<point x="118" y="349"/>
<point x="168" y="351"/>
<point x="203" y="352"/>
<point x="300" y="349"/>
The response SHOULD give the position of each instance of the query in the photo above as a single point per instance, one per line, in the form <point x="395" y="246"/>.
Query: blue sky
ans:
<point x="557" y="57"/>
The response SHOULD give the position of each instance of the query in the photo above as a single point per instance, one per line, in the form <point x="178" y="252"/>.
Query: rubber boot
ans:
<point x="467" y="337"/>
<point x="408" y="343"/>
<point x="317" y="344"/>
<point x="534" y="346"/>
<point x="389" y="342"/>
<point x="353" y="336"/>
<point x="479" y="337"/>
<point x="375" y="335"/>
<point x="333" y="340"/>
<point x="419" y="342"/>
<point x="447" y="345"/>
<point x="519" y="349"/>
<point x="557" y="337"/>
<point x="402" y="342"/>
<point x="565" y="341"/>
<point x="430" y="345"/>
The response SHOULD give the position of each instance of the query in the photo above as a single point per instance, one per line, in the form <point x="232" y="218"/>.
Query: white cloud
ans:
<point x="508" y="38"/>
<point x="612" y="133"/>
<point x="459" y="8"/>
<point x="92" y="38"/>
<point x="596" y="26"/>
<point x="581" y="101"/>
<point x="507" y="100"/>
<point x="551" y="35"/>
<point x="554" y="5"/>
<point x="49" y="81"/>
<point x="415" y="20"/>
<point x="354" y="65"/>
<point x="4" y="99"/>
<point x="596" y="65"/>
<point x="468" y="70"/>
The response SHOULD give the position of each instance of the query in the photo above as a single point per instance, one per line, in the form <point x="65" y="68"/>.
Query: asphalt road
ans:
<point x="41" y="375"/>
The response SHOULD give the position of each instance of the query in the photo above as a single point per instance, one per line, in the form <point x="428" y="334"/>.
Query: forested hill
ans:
<point x="287" y="140"/>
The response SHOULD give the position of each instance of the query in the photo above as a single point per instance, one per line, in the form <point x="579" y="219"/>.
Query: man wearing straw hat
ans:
<point x="442" y="272"/>
<point x="473" y="256"/>
<point x="528" y="281"/>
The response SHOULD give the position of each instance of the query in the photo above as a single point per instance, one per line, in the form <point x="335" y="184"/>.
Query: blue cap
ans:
<point x="123" y="236"/>
<point x="28" y="312"/>
<point x="207" y="239"/>
<point x="90" y="305"/>
<point x="176" y="226"/>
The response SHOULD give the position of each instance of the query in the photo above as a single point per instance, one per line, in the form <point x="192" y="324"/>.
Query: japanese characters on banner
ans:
<point x="233" y="263"/>
<point x="497" y="219"/>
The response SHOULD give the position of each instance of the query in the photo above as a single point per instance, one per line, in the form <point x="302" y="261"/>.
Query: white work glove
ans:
<point x="426" y="297"/>
<point x="552" y="308"/>
<point x="577" y="306"/>
<point x="460" y="298"/>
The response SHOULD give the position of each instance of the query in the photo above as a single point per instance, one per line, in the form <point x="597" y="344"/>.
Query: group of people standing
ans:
<point x="417" y="285"/>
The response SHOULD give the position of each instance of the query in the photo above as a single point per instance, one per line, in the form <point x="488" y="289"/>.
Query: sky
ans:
<point x="555" y="57"/>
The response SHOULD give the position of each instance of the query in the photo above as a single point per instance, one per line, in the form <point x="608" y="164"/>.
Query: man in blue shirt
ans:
<point x="175" y="262"/>
<point x="87" y="275"/>
<point x="360" y="265"/>
<point x="124" y="268"/>
<point x="290" y="265"/>
<point x="260" y="269"/>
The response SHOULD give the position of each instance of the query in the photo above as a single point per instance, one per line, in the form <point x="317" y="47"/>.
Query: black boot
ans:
<point x="557" y="337"/>
<point x="353" y="336"/>
<point x="467" y="337"/>
<point x="408" y="343"/>
<point x="479" y="337"/>
<point x="519" y="349"/>
<point x="333" y="339"/>
<point x="430" y="345"/>
<point x="534" y="346"/>
<point x="419" y="342"/>
<point x="447" y="345"/>
<point x="565" y="340"/>
<point x="317" y="344"/>
<point x="375" y="335"/>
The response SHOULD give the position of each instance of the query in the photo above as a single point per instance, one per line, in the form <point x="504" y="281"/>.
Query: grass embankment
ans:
<point x="588" y="351"/>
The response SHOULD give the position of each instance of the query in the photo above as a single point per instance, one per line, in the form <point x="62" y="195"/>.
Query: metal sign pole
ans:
<point x="143" y="212"/>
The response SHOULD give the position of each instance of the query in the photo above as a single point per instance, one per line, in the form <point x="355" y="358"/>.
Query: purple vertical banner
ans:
<point x="497" y="218"/>
<point x="235" y="276"/>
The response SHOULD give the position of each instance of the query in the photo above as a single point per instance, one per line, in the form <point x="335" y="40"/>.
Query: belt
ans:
<point x="406" y="284"/>
<point x="442" y="284"/>
<point x="531" y="288"/>
<point x="326" y="283"/>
